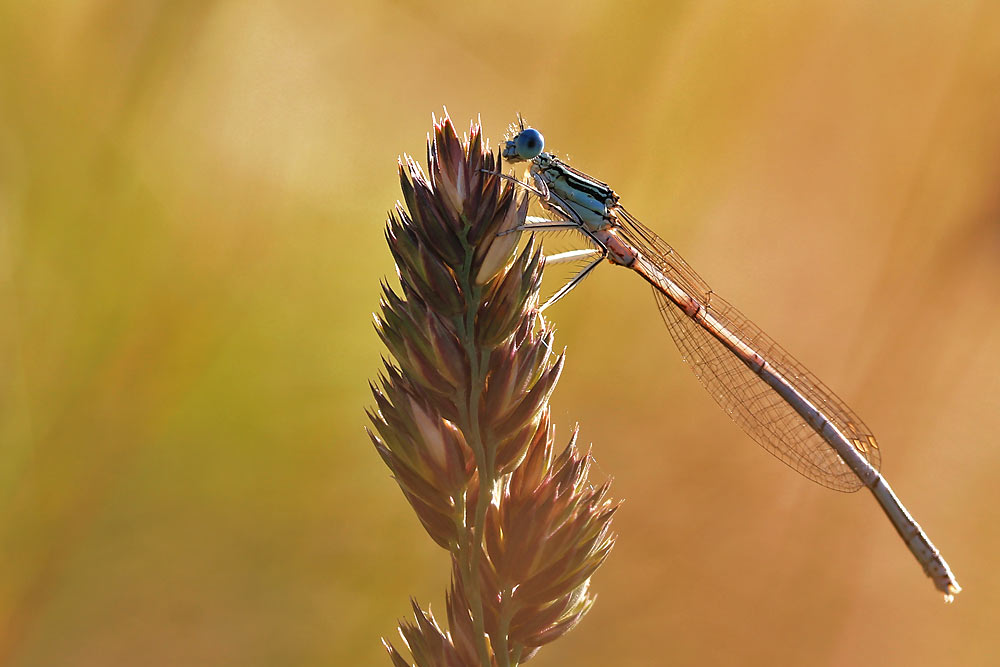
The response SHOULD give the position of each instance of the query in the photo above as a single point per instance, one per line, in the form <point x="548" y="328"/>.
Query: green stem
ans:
<point x="501" y="650"/>
<point x="469" y="413"/>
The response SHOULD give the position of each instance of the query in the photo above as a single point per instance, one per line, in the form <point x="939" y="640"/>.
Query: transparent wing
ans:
<point x="738" y="390"/>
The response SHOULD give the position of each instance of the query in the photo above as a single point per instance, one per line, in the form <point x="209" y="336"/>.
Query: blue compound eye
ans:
<point x="529" y="143"/>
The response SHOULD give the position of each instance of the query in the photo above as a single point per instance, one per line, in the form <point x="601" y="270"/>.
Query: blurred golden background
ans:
<point x="192" y="199"/>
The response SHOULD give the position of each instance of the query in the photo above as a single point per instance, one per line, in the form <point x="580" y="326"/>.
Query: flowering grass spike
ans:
<point x="462" y="419"/>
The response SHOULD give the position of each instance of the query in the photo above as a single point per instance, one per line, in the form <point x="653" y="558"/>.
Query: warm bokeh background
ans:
<point x="192" y="197"/>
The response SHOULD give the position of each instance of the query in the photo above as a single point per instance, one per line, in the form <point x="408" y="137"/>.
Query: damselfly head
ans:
<point x="526" y="145"/>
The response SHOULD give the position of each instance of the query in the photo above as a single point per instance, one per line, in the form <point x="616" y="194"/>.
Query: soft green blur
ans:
<point x="192" y="198"/>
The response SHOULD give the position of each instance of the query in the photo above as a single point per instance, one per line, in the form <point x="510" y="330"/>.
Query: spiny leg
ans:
<point x="570" y="256"/>
<point x="536" y="224"/>
<point x="542" y="193"/>
<point x="570" y="221"/>
<point x="578" y="278"/>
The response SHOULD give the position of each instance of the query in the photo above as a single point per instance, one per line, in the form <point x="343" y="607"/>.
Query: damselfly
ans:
<point x="776" y="400"/>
